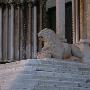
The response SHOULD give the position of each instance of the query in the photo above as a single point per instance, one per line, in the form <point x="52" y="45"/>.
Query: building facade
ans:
<point x="21" y="20"/>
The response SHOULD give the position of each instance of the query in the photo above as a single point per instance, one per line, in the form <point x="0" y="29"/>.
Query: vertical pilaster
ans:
<point x="0" y="33"/>
<point x="83" y="19"/>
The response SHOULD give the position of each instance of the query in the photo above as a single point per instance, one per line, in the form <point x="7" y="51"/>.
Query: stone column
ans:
<point x="16" y="32"/>
<point x="21" y="32"/>
<point x="42" y="19"/>
<point x="0" y="33"/>
<point x="5" y="33"/>
<point x="74" y="20"/>
<point x="35" y="30"/>
<point x="12" y="34"/>
<point x="60" y="19"/>
<point x="77" y="22"/>
<point x="29" y="32"/>
<point x="42" y="14"/>
<point x="25" y="27"/>
<point x="83" y="19"/>
<point x="83" y="31"/>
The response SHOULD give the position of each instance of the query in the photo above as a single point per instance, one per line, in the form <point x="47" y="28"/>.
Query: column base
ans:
<point x="63" y="39"/>
<point x="85" y="48"/>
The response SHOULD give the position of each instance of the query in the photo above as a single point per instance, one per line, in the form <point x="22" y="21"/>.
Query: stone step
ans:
<point x="28" y="79"/>
<point x="59" y="69"/>
<point x="32" y="84"/>
<point x="45" y="74"/>
<point x="30" y="69"/>
<point x="13" y="64"/>
<point x="56" y="62"/>
<point x="47" y="67"/>
<point x="59" y="88"/>
<point x="49" y="83"/>
<point x="60" y="78"/>
<point x="36" y="86"/>
<point x="53" y="74"/>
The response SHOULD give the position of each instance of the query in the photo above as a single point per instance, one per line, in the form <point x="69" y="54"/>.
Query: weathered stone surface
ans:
<point x="55" y="48"/>
<point x="42" y="74"/>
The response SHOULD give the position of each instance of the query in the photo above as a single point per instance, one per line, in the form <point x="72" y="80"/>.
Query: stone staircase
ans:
<point x="46" y="74"/>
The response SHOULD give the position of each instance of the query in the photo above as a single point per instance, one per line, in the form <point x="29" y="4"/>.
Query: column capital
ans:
<point x="30" y="3"/>
<point x="42" y="2"/>
<point x="11" y="1"/>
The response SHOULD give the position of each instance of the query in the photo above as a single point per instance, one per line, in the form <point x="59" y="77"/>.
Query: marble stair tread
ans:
<point x="46" y="74"/>
<point x="62" y="78"/>
<point x="59" y="88"/>
<point x="56" y="62"/>
<point x="59" y="69"/>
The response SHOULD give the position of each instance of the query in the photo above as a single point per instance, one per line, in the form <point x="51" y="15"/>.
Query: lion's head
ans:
<point x="47" y="35"/>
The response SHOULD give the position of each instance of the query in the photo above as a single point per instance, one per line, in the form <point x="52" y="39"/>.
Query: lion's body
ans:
<point x="53" y="47"/>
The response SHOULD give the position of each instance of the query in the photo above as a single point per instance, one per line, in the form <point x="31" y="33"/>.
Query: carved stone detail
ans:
<point x="55" y="48"/>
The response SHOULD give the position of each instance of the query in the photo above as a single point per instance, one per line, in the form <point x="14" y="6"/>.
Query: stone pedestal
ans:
<point x="85" y="48"/>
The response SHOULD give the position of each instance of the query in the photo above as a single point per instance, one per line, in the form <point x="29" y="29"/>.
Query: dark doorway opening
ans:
<point x="51" y="16"/>
<point x="68" y="22"/>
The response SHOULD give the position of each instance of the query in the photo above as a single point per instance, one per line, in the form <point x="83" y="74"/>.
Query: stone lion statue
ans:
<point x="55" y="48"/>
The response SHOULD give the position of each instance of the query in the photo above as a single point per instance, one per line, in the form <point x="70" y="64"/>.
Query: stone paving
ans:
<point x="46" y="74"/>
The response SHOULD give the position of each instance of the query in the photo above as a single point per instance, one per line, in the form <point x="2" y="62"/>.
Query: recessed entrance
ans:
<point x="52" y="18"/>
<point x="68" y="22"/>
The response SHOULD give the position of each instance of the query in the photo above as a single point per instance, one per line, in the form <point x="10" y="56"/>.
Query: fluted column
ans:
<point x="74" y="20"/>
<point x="21" y="32"/>
<point x="77" y="22"/>
<point x="42" y="17"/>
<point x="5" y="33"/>
<point x="17" y="32"/>
<point x="60" y="19"/>
<point x="0" y="33"/>
<point x="11" y="33"/>
<point x="29" y="32"/>
<point x="35" y="30"/>
<point x="42" y="14"/>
